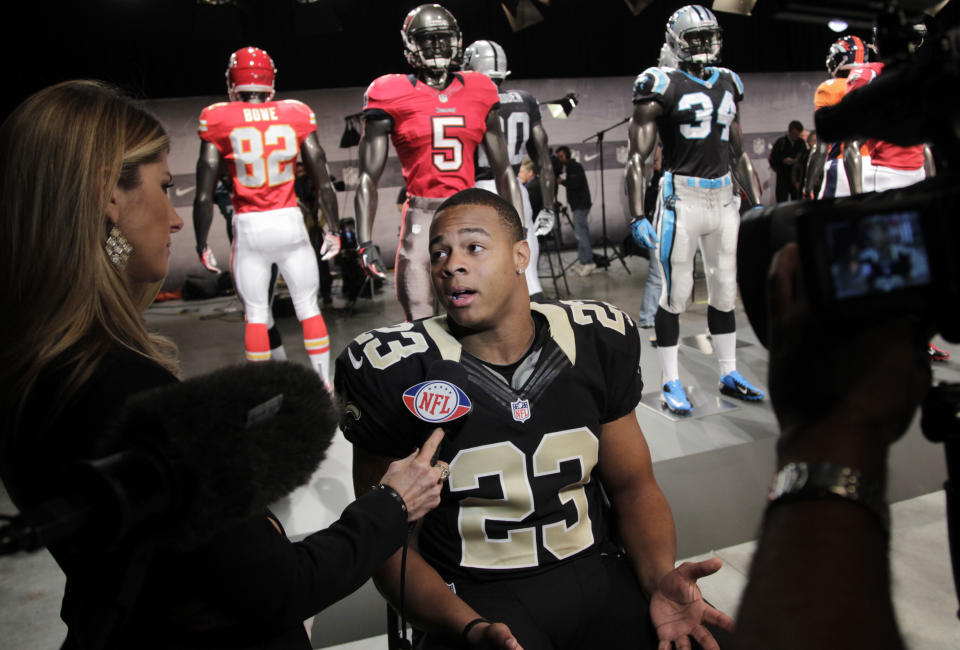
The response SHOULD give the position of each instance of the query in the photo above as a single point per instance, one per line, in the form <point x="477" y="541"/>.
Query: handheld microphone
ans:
<point x="195" y="457"/>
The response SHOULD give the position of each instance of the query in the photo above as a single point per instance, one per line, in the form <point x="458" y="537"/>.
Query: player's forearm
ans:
<point x="365" y="207"/>
<point x="330" y="207"/>
<point x="635" y="185"/>
<point x="647" y="530"/>
<point x="852" y="165"/>
<point x="429" y="603"/>
<point x="202" y="218"/>
<point x="509" y="187"/>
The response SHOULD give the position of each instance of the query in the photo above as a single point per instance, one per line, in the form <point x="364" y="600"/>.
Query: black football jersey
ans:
<point x="519" y="113"/>
<point x="696" y="120"/>
<point x="523" y="493"/>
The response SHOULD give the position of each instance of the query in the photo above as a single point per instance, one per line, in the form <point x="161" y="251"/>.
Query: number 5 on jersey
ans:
<point x="447" y="149"/>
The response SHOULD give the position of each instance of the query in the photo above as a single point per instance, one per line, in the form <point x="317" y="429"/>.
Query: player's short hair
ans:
<point x="795" y="125"/>
<point x="505" y="210"/>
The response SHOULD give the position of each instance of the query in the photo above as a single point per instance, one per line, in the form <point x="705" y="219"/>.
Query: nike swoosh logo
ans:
<point x="355" y="362"/>
<point x="182" y="192"/>
<point x="590" y="157"/>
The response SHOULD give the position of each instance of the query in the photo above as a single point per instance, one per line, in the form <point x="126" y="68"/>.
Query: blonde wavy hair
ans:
<point x="64" y="304"/>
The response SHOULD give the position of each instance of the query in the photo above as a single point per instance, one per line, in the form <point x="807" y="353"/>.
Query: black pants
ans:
<point x="593" y="602"/>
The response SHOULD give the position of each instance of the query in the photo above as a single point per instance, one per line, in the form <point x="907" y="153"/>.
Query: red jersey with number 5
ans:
<point x="259" y="143"/>
<point x="435" y="132"/>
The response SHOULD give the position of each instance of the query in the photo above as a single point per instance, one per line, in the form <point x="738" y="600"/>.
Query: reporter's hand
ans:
<point x="496" y="636"/>
<point x="849" y="393"/>
<point x="208" y="260"/>
<point x="416" y="480"/>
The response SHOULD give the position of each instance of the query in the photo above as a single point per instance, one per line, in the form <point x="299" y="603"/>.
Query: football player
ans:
<point x="435" y="117"/>
<point x="694" y="110"/>
<point x="520" y="122"/>
<point x="522" y="547"/>
<point x="826" y="174"/>
<point x="259" y="140"/>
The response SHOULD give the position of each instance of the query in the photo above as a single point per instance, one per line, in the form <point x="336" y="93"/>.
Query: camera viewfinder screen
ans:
<point x="877" y="254"/>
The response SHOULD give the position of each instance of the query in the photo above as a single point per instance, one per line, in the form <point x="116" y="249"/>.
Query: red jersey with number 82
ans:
<point x="435" y="132"/>
<point x="260" y="143"/>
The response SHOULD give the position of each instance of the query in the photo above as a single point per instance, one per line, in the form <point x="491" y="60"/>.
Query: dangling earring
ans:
<point x="521" y="271"/>
<point x="118" y="248"/>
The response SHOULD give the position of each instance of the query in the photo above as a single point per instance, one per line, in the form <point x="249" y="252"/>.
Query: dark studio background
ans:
<point x="176" y="48"/>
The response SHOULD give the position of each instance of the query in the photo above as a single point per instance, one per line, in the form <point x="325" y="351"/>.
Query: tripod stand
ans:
<point x="603" y="198"/>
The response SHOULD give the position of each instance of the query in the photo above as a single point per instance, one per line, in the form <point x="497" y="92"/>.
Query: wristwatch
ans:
<point x="802" y="481"/>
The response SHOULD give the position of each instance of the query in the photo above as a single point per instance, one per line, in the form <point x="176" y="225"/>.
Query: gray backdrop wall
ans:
<point x="771" y="101"/>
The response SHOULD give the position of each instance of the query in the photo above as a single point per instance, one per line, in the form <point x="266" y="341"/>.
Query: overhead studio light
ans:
<point x="560" y="109"/>
<point x="838" y="25"/>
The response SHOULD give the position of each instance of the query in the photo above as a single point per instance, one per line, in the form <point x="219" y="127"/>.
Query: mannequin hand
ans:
<point x="643" y="232"/>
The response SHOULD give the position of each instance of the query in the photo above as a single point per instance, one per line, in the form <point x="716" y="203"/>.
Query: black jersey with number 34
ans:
<point x="524" y="488"/>
<point x="697" y="117"/>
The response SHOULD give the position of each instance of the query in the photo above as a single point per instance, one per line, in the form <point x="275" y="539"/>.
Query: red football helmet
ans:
<point x="250" y="70"/>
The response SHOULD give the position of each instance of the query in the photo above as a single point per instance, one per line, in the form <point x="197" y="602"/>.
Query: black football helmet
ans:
<point x="431" y="39"/>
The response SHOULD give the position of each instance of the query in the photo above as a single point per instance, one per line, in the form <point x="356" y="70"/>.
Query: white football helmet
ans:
<point x="487" y="57"/>
<point x="431" y="38"/>
<point x="694" y="35"/>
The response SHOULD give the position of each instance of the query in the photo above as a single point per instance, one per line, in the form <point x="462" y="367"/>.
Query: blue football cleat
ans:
<point x="734" y="385"/>
<point x="675" y="398"/>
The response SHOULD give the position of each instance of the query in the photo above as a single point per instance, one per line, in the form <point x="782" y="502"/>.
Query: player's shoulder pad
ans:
<point x="208" y="115"/>
<point x="297" y="106"/>
<point x="388" y="87"/>
<point x="395" y="349"/>
<point x="652" y="81"/>
<point x="733" y="76"/>
<point x="829" y="92"/>
<point x="600" y="316"/>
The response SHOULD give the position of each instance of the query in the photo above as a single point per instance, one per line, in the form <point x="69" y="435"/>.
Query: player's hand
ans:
<point x="208" y="260"/>
<point x="643" y="232"/>
<point x="417" y="480"/>
<point x="543" y="224"/>
<point x="330" y="247"/>
<point x="679" y="611"/>
<point x="496" y="636"/>
<point x="371" y="262"/>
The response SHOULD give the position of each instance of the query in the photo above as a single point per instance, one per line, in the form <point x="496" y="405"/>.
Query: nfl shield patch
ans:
<point x="521" y="410"/>
<point x="436" y="401"/>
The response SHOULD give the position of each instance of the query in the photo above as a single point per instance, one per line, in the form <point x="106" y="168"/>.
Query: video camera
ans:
<point x="877" y="255"/>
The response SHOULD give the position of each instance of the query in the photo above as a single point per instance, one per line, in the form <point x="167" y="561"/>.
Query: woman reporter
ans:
<point x="85" y="233"/>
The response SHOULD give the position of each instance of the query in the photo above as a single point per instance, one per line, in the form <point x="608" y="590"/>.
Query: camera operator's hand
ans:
<point x="417" y="481"/>
<point x="840" y="396"/>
